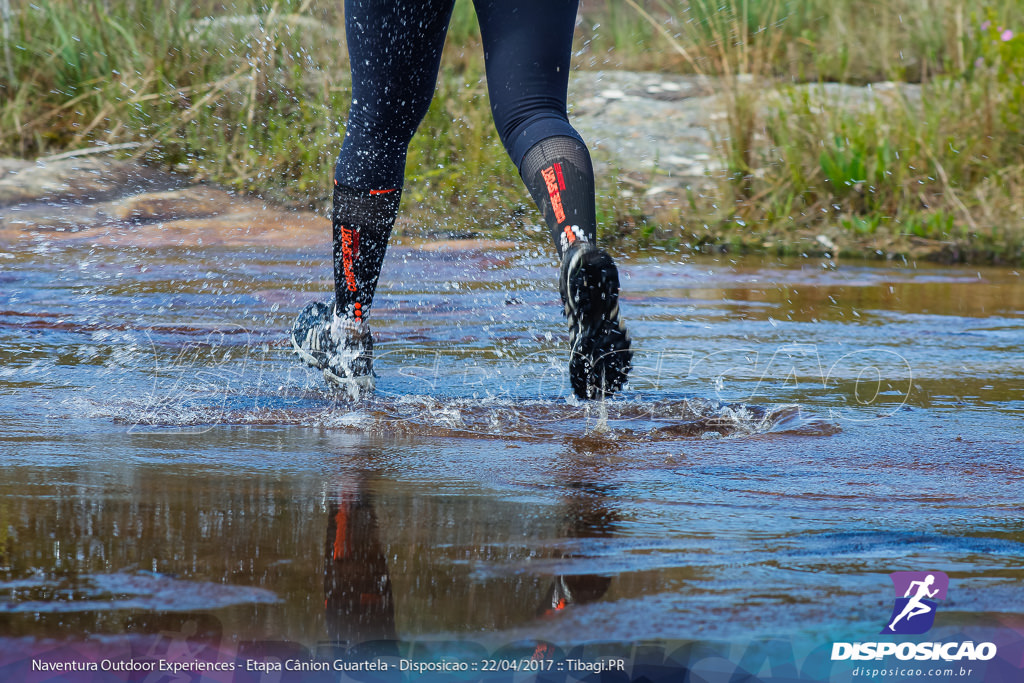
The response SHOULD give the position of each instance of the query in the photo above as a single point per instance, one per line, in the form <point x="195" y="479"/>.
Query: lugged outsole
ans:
<point x="304" y="356"/>
<point x="308" y="358"/>
<point x="601" y="357"/>
<point x="596" y="375"/>
<point x="355" y="387"/>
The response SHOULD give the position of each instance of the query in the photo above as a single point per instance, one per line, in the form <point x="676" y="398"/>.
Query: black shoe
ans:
<point x="342" y="348"/>
<point x="600" y="356"/>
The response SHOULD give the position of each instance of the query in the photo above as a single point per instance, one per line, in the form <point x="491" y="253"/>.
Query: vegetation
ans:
<point x="935" y="170"/>
<point x="253" y="95"/>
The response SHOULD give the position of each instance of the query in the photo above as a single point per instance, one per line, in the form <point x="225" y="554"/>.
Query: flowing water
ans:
<point x="793" y="433"/>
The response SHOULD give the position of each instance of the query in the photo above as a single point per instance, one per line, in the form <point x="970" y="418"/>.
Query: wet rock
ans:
<point x="460" y="245"/>
<point x="84" y="180"/>
<point x="658" y="131"/>
<point x="8" y="166"/>
<point x="112" y="202"/>
<point x="190" y="202"/>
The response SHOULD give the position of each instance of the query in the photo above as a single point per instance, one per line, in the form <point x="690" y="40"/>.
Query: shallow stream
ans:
<point x="792" y="434"/>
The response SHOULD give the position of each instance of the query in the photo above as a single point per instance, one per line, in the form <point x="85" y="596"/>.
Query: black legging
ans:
<point x="395" y="52"/>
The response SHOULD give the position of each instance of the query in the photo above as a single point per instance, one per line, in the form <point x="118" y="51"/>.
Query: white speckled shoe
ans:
<point x="341" y="347"/>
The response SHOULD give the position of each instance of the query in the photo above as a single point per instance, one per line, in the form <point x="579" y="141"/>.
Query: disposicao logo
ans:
<point x="916" y="593"/>
<point x="913" y="613"/>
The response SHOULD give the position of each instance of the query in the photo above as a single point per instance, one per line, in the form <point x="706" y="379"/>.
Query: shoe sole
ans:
<point x="306" y="357"/>
<point x="353" y="386"/>
<point x="601" y="358"/>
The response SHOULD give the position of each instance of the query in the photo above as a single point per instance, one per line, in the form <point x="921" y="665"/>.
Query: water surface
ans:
<point x="793" y="432"/>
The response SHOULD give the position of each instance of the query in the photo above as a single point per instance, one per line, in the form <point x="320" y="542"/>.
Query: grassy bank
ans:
<point x="934" y="171"/>
<point x="255" y="98"/>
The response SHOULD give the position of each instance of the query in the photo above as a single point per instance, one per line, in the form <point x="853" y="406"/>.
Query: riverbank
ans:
<point x="913" y="152"/>
<point x="659" y="147"/>
<point x="661" y="174"/>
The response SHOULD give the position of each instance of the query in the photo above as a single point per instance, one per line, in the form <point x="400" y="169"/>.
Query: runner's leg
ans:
<point x="527" y="48"/>
<point x="394" y="54"/>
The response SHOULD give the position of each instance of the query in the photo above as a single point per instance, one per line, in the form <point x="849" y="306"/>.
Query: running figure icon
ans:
<point x="916" y="593"/>
<point x="915" y="607"/>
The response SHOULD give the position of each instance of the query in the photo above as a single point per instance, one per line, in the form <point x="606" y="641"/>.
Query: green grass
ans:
<point x="939" y="174"/>
<point x="254" y="98"/>
<point x="253" y="95"/>
<point x="944" y="167"/>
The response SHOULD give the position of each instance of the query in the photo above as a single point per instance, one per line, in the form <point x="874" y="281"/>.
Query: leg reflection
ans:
<point x="357" y="588"/>
<point x="588" y="516"/>
<point x="359" y="597"/>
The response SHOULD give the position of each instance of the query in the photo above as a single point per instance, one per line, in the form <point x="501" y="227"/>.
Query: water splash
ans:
<point x="625" y="420"/>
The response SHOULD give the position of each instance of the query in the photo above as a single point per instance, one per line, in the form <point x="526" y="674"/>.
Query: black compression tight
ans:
<point x="395" y="51"/>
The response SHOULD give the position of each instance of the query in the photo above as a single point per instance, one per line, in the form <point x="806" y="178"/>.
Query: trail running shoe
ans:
<point x="599" y="346"/>
<point x="342" y="348"/>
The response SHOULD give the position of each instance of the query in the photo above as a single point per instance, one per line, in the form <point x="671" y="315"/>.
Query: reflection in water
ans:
<point x="147" y="549"/>
<point x="359" y="601"/>
<point x="588" y="517"/>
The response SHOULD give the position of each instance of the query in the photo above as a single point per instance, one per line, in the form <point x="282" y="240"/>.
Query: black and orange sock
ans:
<point x="362" y="222"/>
<point x="560" y="177"/>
